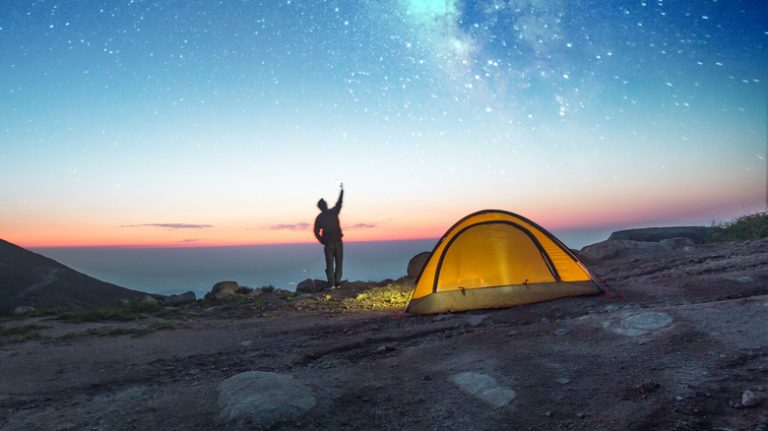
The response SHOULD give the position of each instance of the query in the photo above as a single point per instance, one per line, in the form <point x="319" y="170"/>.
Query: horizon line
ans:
<point x="218" y="245"/>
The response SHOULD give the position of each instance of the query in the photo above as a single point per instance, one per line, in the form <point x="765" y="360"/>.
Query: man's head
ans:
<point x="322" y="205"/>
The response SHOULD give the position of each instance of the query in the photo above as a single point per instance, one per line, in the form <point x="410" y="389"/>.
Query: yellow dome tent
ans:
<point x="494" y="259"/>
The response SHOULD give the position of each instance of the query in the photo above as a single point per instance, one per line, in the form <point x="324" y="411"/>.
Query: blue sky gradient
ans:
<point x="241" y="114"/>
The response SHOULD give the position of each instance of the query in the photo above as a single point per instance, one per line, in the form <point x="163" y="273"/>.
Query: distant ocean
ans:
<point x="175" y="270"/>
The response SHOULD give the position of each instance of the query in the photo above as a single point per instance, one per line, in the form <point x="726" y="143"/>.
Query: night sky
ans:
<point x="201" y="122"/>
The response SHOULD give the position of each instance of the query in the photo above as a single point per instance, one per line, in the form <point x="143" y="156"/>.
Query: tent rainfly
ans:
<point x="494" y="259"/>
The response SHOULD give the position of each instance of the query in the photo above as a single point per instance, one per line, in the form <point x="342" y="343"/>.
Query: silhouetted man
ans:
<point x="328" y="232"/>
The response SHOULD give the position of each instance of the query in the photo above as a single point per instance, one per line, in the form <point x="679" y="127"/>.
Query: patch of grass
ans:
<point x="389" y="296"/>
<point x="20" y="334"/>
<point x="753" y="226"/>
<point x="21" y="330"/>
<point x="136" y="331"/>
<point x="133" y="310"/>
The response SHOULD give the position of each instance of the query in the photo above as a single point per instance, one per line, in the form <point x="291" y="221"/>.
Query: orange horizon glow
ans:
<point x="632" y="209"/>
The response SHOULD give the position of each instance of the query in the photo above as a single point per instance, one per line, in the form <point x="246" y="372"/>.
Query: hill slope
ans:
<point x="27" y="278"/>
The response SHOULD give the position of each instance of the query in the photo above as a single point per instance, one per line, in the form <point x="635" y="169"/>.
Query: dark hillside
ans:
<point x="27" y="278"/>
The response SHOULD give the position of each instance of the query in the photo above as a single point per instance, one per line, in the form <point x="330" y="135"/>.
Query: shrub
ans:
<point x="130" y="311"/>
<point x="389" y="296"/>
<point x="753" y="226"/>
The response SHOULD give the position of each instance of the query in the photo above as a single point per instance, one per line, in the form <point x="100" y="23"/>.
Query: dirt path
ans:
<point x="676" y="351"/>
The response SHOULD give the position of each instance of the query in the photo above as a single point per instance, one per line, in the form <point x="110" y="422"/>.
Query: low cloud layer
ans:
<point x="172" y="226"/>
<point x="290" y="226"/>
<point x="362" y="226"/>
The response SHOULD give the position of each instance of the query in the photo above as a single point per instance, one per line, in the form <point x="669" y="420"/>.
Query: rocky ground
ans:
<point x="680" y="345"/>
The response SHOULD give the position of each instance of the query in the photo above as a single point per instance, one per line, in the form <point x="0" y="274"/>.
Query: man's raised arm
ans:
<point x="337" y="207"/>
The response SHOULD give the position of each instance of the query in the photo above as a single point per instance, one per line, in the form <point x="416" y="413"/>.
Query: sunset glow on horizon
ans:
<point x="137" y="123"/>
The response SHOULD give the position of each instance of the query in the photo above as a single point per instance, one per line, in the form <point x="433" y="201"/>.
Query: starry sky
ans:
<point x="209" y="123"/>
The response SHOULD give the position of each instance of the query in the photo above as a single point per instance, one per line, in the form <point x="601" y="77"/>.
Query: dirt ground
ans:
<point x="675" y="348"/>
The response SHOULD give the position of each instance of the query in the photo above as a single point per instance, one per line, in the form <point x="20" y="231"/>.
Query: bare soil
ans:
<point x="674" y="348"/>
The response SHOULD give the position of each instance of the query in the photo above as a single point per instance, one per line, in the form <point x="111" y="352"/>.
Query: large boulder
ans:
<point x="260" y="399"/>
<point x="223" y="291"/>
<point x="610" y="249"/>
<point x="311" y="286"/>
<point x="182" y="299"/>
<point x="697" y="234"/>
<point x="416" y="264"/>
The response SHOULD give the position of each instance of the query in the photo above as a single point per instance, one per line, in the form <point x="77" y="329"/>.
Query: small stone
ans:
<point x="679" y="398"/>
<point x="580" y="415"/>
<point x="548" y="413"/>
<point x="749" y="399"/>
<point x="563" y="380"/>
<point x="562" y="331"/>
<point x="385" y="348"/>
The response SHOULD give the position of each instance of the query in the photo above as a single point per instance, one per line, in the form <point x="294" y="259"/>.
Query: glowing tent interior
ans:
<point x="494" y="259"/>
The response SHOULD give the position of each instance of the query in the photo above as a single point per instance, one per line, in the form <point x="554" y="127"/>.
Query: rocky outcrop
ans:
<point x="416" y="264"/>
<point x="697" y="234"/>
<point x="29" y="279"/>
<point x="311" y="286"/>
<point x="613" y="248"/>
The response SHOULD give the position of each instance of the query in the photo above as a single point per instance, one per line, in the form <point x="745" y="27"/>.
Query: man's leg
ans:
<point x="329" y="265"/>
<point x="339" y="257"/>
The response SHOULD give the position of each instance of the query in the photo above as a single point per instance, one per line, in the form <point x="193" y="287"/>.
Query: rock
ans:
<point x="562" y="331"/>
<point x="416" y="264"/>
<point x="148" y="300"/>
<point x="685" y="244"/>
<point x="182" y="299"/>
<point x="749" y="399"/>
<point x="259" y="400"/>
<point x="613" y="248"/>
<point x="255" y="293"/>
<point x="563" y="380"/>
<point x="697" y="234"/>
<point x="223" y="290"/>
<point x="640" y="324"/>
<point x="484" y="387"/>
<point x="311" y="286"/>
<point x="601" y="251"/>
<point x="23" y="310"/>
<point x="476" y="320"/>
<point x="385" y="348"/>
